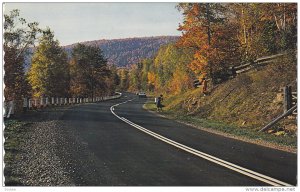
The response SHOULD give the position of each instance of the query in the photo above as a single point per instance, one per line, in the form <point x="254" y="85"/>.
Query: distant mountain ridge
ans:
<point x="127" y="51"/>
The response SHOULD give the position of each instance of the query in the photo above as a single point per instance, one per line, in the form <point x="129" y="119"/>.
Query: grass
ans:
<point x="242" y="105"/>
<point x="150" y="106"/>
<point x="12" y="181"/>
<point x="228" y="129"/>
<point x="13" y="132"/>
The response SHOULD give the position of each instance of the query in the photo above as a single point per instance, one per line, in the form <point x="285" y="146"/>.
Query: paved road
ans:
<point x="109" y="151"/>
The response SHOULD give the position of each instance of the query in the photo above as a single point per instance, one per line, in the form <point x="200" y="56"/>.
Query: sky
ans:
<point x="77" y="22"/>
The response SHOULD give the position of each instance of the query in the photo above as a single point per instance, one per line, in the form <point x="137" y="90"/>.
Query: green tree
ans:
<point x="89" y="71"/>
<point x="49" y="72"/>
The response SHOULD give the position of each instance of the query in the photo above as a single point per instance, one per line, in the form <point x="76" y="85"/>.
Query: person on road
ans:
<point x="159" y="104"/>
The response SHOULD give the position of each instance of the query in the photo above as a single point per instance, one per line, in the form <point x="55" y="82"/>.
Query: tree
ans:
<point x="151" y="80"/>
<point x="89" y="71"/>
<point x="205" y="28"/>
<point x="124" y="79"/>
<point x="264" y="28"/>
<point x="18" y="36"/>
<point x="135" y="77"/>
<point x="283" y="16"/>
<point x="49" y="72"/>
<point x="167" y="72"/>
<point x="113" y="81"/>
<point x="147" y="65"/>
<point x="14" y="75"/>
<point x="170" y="66"/>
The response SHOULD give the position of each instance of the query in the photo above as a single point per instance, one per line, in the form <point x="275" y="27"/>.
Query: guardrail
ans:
<point x="289" y="107"/>
<point x="290" y="99"/>
<point x="287" y="113"/>
<point x="43" y="102"/>
<point x="256" y="63"/>
<point x="226" y="74"/>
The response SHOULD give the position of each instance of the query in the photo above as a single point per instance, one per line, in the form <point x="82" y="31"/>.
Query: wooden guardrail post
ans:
<point x="287" y="91"/>
<point x="288" y="112"/>
<point x="289" y="104"/>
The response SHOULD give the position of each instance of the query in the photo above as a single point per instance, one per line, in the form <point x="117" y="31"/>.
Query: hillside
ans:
<point x="123" y="52"/>
<point x="242" y="105"/>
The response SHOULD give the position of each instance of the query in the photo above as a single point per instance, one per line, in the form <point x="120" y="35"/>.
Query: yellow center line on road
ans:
<point x="237" y="168"/>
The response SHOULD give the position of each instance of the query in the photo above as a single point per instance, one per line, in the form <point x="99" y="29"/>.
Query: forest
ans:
<point x="52" y="73"/>
<point x="124" y="52"/>
<point x="215" y="36"/>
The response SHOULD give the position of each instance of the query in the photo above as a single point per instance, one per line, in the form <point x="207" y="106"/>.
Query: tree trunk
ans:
<point x="209" y="41"/>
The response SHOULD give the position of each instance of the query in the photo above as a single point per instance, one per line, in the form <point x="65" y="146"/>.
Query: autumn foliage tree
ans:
<point x="18" y="36"/>
<point x="49" y="72"/>
<point x="264" y="28"/>
<point x="165" y="73"/>
<point x="135" y="77"/>
<point x="124" y="79"/>
<point x="170" y="67"/>
<point x="207" y="30"/>
<point x="224" y="35"/>
<point x="112" y="80"/>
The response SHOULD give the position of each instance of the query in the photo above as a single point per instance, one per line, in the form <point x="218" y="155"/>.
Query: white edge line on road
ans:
<point x="242" y="170"/>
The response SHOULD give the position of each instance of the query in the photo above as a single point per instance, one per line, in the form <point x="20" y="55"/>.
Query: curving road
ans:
<point x="117" y="142"/>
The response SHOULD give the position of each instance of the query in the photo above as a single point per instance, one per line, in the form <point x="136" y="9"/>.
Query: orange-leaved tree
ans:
<point x="207" y="30"/>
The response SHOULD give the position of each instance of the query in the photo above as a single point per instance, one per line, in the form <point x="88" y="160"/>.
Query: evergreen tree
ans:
<point x="89" y="71"/>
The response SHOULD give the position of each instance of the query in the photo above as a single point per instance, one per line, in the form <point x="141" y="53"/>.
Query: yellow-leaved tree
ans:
<point x="49" y="71"/>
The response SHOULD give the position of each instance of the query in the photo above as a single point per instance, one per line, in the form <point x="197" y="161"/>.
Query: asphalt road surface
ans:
<point x="120" y="143"/>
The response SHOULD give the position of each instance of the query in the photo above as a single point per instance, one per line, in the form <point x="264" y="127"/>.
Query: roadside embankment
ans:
<point x="241" y="106"/>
